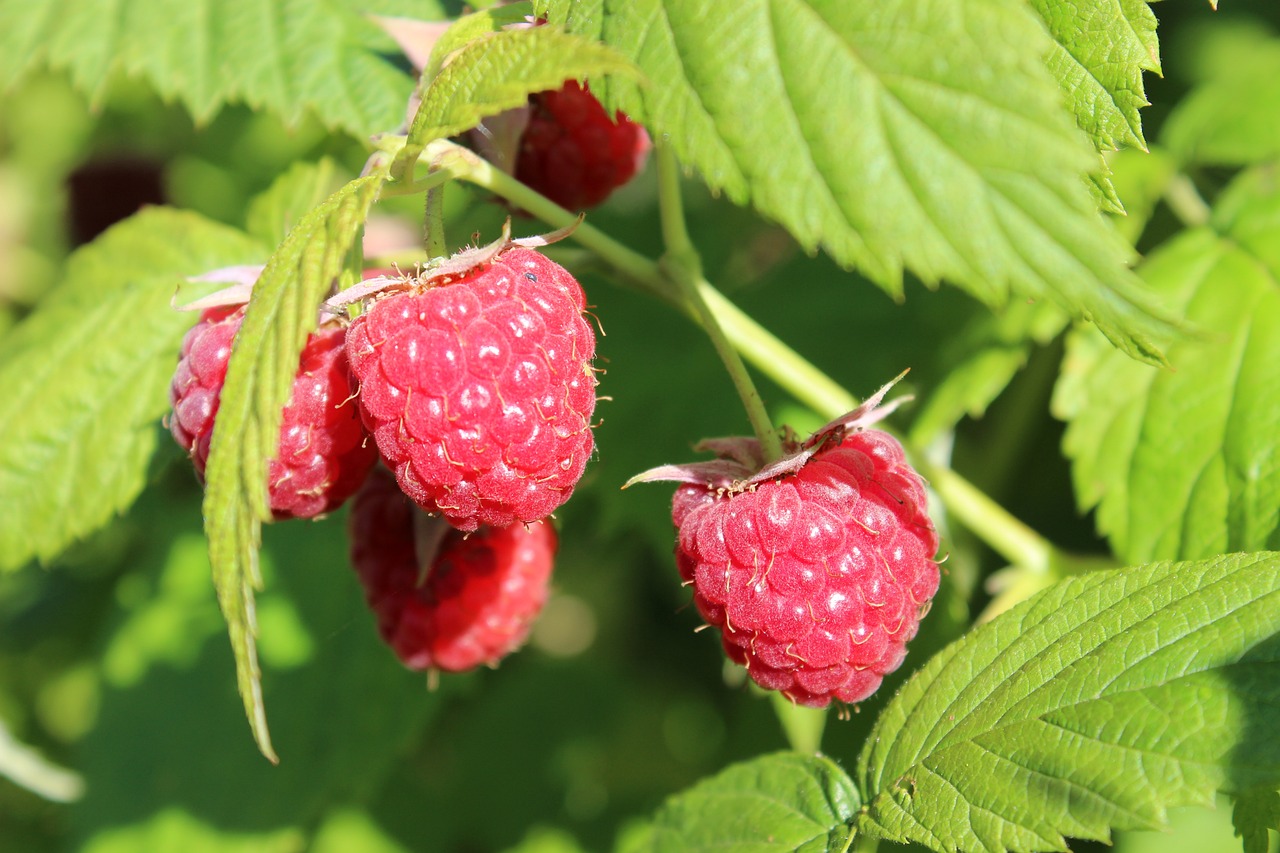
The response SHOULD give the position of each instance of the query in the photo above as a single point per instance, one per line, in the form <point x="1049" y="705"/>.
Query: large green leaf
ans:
<point x="287" y="56"/>
<point x="1185" y="463"/>
<point x="1093" y="706"/>
<point x="498" y="71"/>
<point x="780" y="802"/>
<point x="264" y="360"/>
<point x="925" y="135"/>
<point x="1102" y="47"/>
<point x="86" y="379"/>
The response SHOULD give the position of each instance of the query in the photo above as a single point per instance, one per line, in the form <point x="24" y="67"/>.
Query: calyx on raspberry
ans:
<point x="445" y="600"/>
<point x="816" y="569"/>
<point x="476" y="380"/>
<point x="323" y="453"/>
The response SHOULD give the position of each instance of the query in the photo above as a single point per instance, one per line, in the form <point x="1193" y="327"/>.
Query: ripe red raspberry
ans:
<point x="323" y="453"/>
<point x="816" y="580"/>
<point x="816" y="568"/>
<point x="479" y="390"/>
<point x="573" y="153"/>
<point x="474" y="604"/>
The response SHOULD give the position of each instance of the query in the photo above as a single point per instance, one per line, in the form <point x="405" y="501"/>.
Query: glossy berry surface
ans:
<point x="480" y="391"/>
<point x="573" y="152"/>
<point x="473" y="605"/>
<point x="323" y="454"/>
<point x="818" y="579"/>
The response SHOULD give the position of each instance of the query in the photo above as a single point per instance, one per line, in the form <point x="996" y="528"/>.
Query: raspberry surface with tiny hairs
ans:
<point x="817" y="579"/>
<point x="323" y="453"/>
<point x="474" y="603"/>
<point x="479" y="388"/>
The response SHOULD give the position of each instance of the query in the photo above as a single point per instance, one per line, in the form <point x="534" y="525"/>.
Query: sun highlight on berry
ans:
<point x="479" y="389"/>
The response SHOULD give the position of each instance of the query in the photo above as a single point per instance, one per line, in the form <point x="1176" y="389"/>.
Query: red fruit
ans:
<point x="479" y="389"/>
<point x="479" y="597"/>
<point x="573" y="153"/>
<point x="323" y="453"/>
<point x="816" y="579"/>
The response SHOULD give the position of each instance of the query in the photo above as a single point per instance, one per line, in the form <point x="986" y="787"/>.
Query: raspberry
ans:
<point x="479" y="597"/>
<point x="479" y="389"/>
<point x="323" y="453"/>
<point x="816" y="579"/>
<point x="573" y="153"/>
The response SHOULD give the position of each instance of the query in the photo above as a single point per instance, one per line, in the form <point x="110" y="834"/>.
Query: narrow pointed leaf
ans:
<point x="1217" y="413"/>
<point x="780" y="802"/>
<point x="264" y="359"/>
<point x="86" y="379"/>
<point x="920" y="135"/>
<point x="1095" y="705"/>
<point x="499" y="71"/>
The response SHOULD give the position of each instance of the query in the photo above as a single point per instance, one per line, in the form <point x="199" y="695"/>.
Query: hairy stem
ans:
<point x="434" y="222"/>
<point x="684" y="266"/>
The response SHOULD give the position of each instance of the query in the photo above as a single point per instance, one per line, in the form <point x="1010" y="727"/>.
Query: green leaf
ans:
<point x="921" y="135"/>
<point x="1093" y="706"/>
<point x="1216" y="414"/>
<point x="86" y="379"/>
<point x="1256" y="812"/>
<point x="784" y="802"/>
<point x="1101" y="49"/>
<point x="499" y="71"/>
<point x="1233" y="117"/>
<point x="470" y="27"/>
<point x="264" y="359"/>
<point x="324" y="56"/>
<point x="274" y="212"/>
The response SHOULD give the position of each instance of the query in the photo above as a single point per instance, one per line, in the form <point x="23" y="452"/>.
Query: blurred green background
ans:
<point x="122" y="729"/>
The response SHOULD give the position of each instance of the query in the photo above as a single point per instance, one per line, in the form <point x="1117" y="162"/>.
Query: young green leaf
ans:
<point x="1093" y="706"/>
<point x="274" y="212"/>
<point x="499" y="71"/>
<point x="1256" y="813"/>
<point x="322" y="56"/>
<point x="86" y="378"/>
<point x="1101" y="49"/>
<point x="780" y="802"/>
<point x="921" y="135"/>
<point x="264" y="359"/>
<point x="470" y="27"/>
<point x="1216" y="414"/>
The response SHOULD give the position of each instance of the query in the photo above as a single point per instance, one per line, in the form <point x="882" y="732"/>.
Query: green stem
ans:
<point x="866" y="844"/>
<point x="434" y="223"/>
<point x="802" y="726"/>
<point x="684" y="266"/>
<point x="1185" y="201"/>
<point x="1012" y="539"/>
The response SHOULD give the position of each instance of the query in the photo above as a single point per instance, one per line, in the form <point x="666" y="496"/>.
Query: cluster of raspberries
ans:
<point x="457" y="409"/>
<point x="476" y="389"/>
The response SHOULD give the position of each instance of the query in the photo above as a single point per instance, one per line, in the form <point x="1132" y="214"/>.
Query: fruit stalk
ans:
<point x="683" y="265"/>
<point x="1012" y="539"/>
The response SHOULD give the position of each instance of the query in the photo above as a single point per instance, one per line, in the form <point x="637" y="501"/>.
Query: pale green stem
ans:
<point x="802" y="726"/>
<point x="1185" y="201"/>
<point x="684" y="266"/>
<point x="434" y="223"/>
<point x="866" y="844"/>
<point x="1008" y="536"/>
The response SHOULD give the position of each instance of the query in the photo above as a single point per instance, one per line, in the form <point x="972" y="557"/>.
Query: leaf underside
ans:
<point x="921" y="135"/>
<point x="1096" y="705"/>
<point x="264" y="359"/>
<point x="86" y="379"/>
